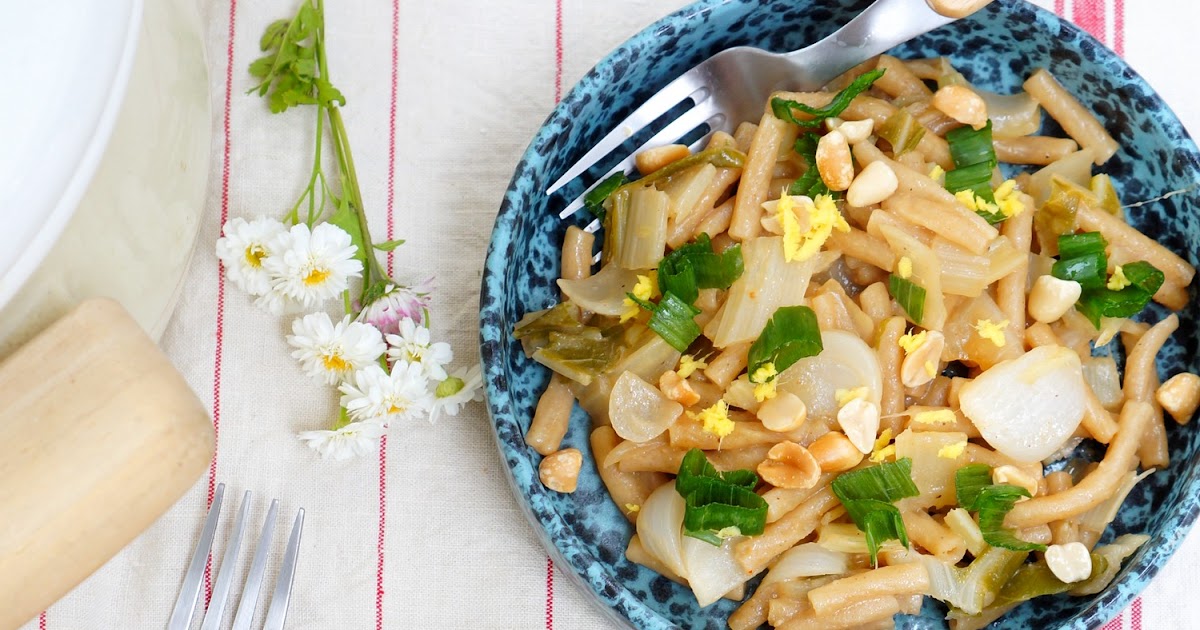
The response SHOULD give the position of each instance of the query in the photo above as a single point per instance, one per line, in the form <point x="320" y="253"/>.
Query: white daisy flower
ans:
<point x="353" y="440"/>
<point x="332" y="352"/>
<point x="412" y="345"/>
<point x="452" y="394"/>
<point x="244" y="247"/>
<point x="310" y="267"/>
<point x="377" y="395"/>
<point x="397" y="304"/>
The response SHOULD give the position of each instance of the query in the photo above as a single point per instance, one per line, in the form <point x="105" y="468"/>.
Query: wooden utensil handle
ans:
<point x="99" y="435"/>
<point x="957" y="8"/>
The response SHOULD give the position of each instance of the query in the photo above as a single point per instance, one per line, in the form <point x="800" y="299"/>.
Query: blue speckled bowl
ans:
<point x="584" y="531"/>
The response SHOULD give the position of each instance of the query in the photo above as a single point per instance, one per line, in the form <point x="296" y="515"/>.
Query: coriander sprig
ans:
<point x="294" y="71"/>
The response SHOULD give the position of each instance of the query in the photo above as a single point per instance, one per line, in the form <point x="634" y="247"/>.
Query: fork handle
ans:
<point x="957" y="9"/>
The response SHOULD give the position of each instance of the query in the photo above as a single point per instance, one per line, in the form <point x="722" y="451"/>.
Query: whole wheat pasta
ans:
<point x="1076" y="120"/>
<point x="901" y="579"/>
<point x="1139" y="365"/>
<point x="912" y="416"/>
<point x="754" y="554"/>
<point x="1096" y="419"/>
<point x="1065" y="530"/>
<point x="876" y="302"/>
<point x="756" y="177"/>
<point x="1010" y="290"/>
<point x="862" y="246"/>
<point x="680" y="232"/>
<point x="1037" y="150"/>
<point x="890" y="355"/>
<point x="859" y="615"/>
<point x="928" y="69"/>
<point x="726" y="366"/>
<point x="910" y="180"/>
<point x="781" y="501"/>
<point x="687" y="434"/>
<point x="747" y="458"/>
<point x="935" y="537"/>
<point x="898" y="81"/>
<point x="1099" y="484"/>
<point x="846" y="78"/>
<point x="932" y="147"/>
<point x="624" y="488"/>
<point x="715" y="223"/>
<point x="577" y="253"/>
<point x="950" y="220"/>
<point x="656" y="458"/>
<point x="552" y="417"/>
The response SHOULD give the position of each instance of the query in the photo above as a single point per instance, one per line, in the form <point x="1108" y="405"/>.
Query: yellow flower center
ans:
<point x="254" y="255"/>
<point x="334" y="363"/>
<point x="316" y="276"/>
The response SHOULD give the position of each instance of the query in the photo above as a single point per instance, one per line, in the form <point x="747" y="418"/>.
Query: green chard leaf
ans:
<point x="791" y="334"/>
<point x="1082" y="258"/>
<point x="783" y="108"/>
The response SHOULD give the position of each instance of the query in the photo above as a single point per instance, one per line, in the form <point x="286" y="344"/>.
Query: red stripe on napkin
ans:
<point x="391" y="271"/>
<point x="220" y="316"/>
<point x="558" y="75"/>
<point x="42" y="621"/>
<point x="1089" y="15"/>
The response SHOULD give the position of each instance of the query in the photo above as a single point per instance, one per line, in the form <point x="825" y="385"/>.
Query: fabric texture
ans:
<point x="442" y="100"/>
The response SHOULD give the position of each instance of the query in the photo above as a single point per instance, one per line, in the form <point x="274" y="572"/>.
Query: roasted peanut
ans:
<point x="833" y="161"/>
<point x="789" y="465"/>
<point x="834" y="452"/>
<point x="875" y="183"/>
<point x="785" y="412"/>
<point x="677" y="389"/>
<point x="560" y="471"/>
<point x="1180" y="396"/>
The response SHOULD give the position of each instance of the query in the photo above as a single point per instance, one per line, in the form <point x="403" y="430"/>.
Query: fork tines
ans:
<point x="189" y="593"/>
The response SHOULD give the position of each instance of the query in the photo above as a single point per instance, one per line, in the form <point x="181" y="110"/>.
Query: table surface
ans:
<point x="442" y="101"/>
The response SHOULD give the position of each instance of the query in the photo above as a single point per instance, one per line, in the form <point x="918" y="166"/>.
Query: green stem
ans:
<point x="342" y="420"/>
<point x="316" y="170"/>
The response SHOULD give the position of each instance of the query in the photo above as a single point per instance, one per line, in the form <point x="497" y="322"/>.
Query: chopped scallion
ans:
<point x="674" y="321"/>
<point x="715" y="501"/>
<point x="976" y="493"/>
<point x="972" y="146"/>
<point x="868" y="495"/>
<point x="696" y="266"/>
<point x="594" y="199"/>
<point x="790" y="335"/>
<point x="810" y="183"/>
<point x="909" y="295"/>
<point x="1144" y="281"/>
<point x="783" y="108"/>
<point x="1081" y="258"/>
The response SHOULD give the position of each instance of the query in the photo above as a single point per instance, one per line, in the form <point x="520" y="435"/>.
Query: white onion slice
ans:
<point x="660" y="527"/>
<point x="712" y="571"/>
<point x="603" y="293"/>
<point x="638" y="410"/>
<point x="846" y="362"/>
<point x="807" y="560"/>
<point x="1026" y="408"/>
<point x="1012" y="115"/>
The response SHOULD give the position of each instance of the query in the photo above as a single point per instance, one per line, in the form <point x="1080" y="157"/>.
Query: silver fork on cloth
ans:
<point x="732" y="85"/>
<point x="189" y="593"/>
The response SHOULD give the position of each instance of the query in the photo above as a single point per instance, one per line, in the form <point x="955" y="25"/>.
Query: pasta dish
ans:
<point x="840" y="347"/>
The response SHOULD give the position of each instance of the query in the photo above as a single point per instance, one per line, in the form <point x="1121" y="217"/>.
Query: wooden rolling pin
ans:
<point x="99" y="435"/>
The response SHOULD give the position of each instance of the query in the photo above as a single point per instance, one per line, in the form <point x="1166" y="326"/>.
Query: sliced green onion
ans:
<point x="594" y="199"/>
<point x="976" y="177"/>
<point x="976" y="493"/>
<point x="1144" y="281"/>
<point x="783" y="108"/>
<point x="902" y="131"/>
<point x="716" y="501"/>
<point x="1081" y="258"/>
<point x="970" y="146"/>
<point x="696" y="266"/>
<point x="674" y="321"/>
<point x="810" y="183"/>
<point x="909" y="295"/>
<point x="868" y="494"/>
<point x="790" y="335"/>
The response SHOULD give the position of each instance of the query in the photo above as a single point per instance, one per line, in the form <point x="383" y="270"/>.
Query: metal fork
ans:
<point x="189" y="593"/>
<point x="732" y="85"/>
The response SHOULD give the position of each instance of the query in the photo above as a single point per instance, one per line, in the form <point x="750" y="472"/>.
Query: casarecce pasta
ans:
<point x="840" y="347"/>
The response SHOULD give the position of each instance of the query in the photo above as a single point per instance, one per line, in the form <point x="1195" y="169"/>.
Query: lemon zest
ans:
<point x="1118" y="281"/>
<point x="910" y="341"/>
<point x="716" y="419"/>
<point x="688" y="365"/>
<point x="952" y="451"/>
<point x="824" y="218"/>
<point x="904" y="267"/>
<point x="993" y="332"/>
<point x="844" y="396"/>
